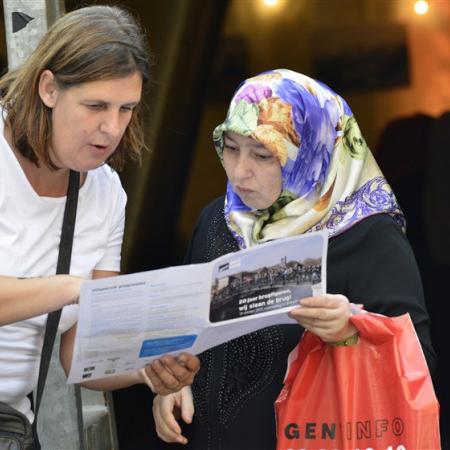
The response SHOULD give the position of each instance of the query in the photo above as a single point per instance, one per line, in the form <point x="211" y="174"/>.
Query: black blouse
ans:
<point x="371" y="263"/>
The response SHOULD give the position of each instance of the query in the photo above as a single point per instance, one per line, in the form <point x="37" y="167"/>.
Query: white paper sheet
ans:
<point x="127" y="321"/>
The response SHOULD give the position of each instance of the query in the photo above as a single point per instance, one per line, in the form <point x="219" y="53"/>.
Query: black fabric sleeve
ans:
<point x="380" y="271"/>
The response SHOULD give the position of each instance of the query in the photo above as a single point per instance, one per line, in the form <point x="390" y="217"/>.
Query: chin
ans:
<point x="86" y="167"/>
<point x="258" y="205"/>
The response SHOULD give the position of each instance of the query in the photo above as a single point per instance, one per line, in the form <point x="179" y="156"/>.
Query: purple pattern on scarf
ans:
<point x="254" y="93"/>
<point x="368" y="200"/>
<point x="317" y="130"/>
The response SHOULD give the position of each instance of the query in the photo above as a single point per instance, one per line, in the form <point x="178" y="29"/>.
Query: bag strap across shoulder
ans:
<point x="62" y="267"/>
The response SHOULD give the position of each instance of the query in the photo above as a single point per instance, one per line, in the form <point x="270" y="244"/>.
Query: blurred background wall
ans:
<point x="391" y="64"/>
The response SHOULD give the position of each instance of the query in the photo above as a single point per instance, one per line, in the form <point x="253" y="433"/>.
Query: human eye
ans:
<point x="126" y="108"/>
<point x="263" y="156"/>
<point x="95" y="106"/>
<point x="229" y="147"/>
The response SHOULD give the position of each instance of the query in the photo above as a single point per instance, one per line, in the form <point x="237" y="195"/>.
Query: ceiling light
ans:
<point x="421" y="7"/>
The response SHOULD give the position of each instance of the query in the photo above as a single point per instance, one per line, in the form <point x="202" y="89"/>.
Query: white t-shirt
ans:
<point x="30" y="230"/>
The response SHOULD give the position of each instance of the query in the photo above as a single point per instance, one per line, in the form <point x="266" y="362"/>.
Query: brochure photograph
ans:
<point x="126" y="321"/>
<point x="276" y="277"/>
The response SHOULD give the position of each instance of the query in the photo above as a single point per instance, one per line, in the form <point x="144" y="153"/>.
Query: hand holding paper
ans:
<point x="171" y="373"/>
<point x="326" y="316"/>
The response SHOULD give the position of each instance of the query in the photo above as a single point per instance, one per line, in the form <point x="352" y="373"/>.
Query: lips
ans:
<point x="98" y="148"/>
<point x="244" y="190"/>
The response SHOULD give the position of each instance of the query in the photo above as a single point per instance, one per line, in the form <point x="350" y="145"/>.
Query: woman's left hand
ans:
<point x="326" y="316"/>
<point x="166" y="410"/>
<point x="169" y="373"/>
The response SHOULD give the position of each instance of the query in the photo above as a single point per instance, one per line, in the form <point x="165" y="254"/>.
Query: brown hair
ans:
<point x="88" y="44"/>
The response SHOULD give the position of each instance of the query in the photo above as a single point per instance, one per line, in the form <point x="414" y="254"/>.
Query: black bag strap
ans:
<point x="62" y="267"/>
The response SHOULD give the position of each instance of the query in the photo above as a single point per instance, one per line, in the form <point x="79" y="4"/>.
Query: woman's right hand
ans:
<point x="327" y="316"/>
<point x="166" y="410"/>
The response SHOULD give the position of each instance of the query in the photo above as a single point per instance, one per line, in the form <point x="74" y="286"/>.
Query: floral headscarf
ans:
<point x="330" y="178"/>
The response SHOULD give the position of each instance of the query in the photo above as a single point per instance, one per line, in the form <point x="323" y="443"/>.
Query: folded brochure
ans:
<point x="127" y="321"/>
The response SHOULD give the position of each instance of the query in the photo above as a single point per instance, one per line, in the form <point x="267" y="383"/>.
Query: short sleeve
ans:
<point x="116" y="225"/>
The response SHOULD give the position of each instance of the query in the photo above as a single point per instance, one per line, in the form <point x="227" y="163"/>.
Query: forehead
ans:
<point x="126" y="88"/>
<point x="242" y="140"/>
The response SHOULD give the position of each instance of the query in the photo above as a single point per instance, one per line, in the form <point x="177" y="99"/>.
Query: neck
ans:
<point x="45" y="181"/>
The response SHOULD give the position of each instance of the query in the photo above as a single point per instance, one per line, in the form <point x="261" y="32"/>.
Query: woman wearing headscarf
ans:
<point x="296" y="162"/>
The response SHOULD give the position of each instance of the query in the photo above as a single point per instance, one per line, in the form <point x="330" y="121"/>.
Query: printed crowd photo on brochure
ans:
<point x="281" y="281"/>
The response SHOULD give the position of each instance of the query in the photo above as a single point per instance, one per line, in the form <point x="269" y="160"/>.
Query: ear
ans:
<point x="48" y="88"/>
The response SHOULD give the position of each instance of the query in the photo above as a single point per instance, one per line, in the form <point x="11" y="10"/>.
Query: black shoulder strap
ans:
<point x="63" y="266"/>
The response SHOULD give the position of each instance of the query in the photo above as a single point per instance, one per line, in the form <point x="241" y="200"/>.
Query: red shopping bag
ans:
<point x="375" y="395"/>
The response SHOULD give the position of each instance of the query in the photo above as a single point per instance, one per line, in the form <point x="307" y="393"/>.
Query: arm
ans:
<point x="21" y="299"/>
<point x="386" y="279"/>
<point x="165" y="375"/>
<point x="373" y="264"/>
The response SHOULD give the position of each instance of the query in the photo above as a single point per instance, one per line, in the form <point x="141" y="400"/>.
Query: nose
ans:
<point x="110" y="124"/>
<point x="242" y="167"/>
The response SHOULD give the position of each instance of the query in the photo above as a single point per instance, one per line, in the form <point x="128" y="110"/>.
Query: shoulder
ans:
<point x="373" y="224"/>
<point x="212" y="211"/>
<point x="106" y="176"/>
<point x="371" y="231"/>
<point x="375" y="248"/>
<point x="103" y="196"/>
<point x="378" y="241"/>
<point x="211" y="222"/>
<point x="105" y="183"/>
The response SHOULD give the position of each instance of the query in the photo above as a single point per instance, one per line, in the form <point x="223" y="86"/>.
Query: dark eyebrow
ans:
<point x="103" y="102"/>
<point x="259" y="145"/>
<point x="131" y="104"/>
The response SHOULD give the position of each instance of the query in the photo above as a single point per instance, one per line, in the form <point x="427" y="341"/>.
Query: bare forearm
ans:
<point x="21" y="299"/>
